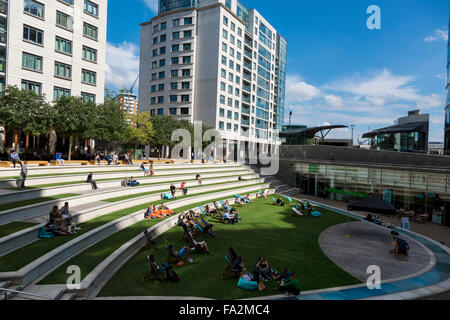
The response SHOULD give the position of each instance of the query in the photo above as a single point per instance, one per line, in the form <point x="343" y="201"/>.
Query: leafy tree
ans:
<point x="25" y="111"/>
<point x="74" y="117"/>
<point x="140" y="129"/>
<point x="163" y="126"/>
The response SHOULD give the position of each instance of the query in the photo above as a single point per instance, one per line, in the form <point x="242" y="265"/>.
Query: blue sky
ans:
<point x="339" y="71"/>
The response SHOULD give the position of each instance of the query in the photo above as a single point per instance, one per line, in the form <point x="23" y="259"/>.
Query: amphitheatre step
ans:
<point x="48" y="171"/>
<point x="70" y="178"/>
<point x="54" y="258"/>
<point x="20" y="195"/>
<point x="44" y="208"/>
<point x="94" y="281"/>
<point x="22" y="238"/>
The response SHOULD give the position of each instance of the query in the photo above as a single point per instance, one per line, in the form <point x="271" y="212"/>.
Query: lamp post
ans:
<point x="352" y="126"/>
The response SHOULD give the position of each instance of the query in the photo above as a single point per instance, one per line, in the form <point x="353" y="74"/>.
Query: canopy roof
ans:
<point x="372" y="204"/>
<point x="407" y="127"/>
<point x="310" y="132"/>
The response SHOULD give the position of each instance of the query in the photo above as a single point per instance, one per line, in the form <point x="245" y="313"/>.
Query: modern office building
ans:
<point x="128" y="101"/>
<point x="409" y="134"/>
<point x="217" y="62"/>
<point x="447" y="104"/>
<point x="54" y="47"/>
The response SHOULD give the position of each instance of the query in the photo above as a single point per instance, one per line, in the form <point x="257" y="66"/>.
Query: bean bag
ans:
<point x="247" y="285"/>
<point x="316" y="214"/>
<point x="45" y="234"/>
<point x="166" y="196"/>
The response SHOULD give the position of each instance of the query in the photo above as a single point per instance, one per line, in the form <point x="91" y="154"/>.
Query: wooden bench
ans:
<point x="40" y="163"/>
<point x="162" y="161"/>
<point x="82" y="162"/>
<point x="94" y="162"/>
<point x="6" y="164"/>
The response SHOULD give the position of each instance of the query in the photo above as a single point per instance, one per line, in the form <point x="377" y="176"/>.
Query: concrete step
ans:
<point x="5" y="284"/>
<point x="68" y="296"/>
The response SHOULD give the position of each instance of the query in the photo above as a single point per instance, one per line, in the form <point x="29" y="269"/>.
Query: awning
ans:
<point x="407" y="127"/>
<point x="309" y="133"/>
<point x="371" y="204"/>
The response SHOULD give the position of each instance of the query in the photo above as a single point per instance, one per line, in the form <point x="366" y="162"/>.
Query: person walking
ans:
<point x="15" y="158"/>
<point x="92" y="181"/>
<point x="108" y="159"/>
<point x="97" y="158"/>
<point x="24" y="173"/>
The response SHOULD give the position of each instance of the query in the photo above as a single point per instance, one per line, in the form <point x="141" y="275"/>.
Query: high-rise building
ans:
<point x="128" y="102"/>
<point x="217" y="62"/>
<point x="447" y="104"/>
<point x="54" y="47"/>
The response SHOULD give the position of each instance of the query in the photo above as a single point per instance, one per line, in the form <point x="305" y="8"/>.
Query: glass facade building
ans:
<point x="411" y="189"/>
<point x="168" y="5"/>
<point x="281" y="72"/>
<point x="447" y="105"/>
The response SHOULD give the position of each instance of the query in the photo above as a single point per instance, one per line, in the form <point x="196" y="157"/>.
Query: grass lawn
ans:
<point x="12" y="205"/>
<point x="166" y="190"/>
<point x="267" y="230"/>
<point x="14" y="227"/>
<point x="90" y="258"/>
<point x="26" y="254"/>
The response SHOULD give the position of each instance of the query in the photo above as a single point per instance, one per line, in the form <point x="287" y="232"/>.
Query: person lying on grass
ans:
<point x="199" y="247"/>
<point x="157" y="271"/>
<point x="175" y="255"/>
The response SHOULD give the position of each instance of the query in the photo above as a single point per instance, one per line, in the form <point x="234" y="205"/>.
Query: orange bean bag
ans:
<point x="160" y="214"/>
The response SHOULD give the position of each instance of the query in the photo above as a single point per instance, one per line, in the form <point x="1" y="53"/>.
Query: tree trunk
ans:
<point x="27" y="142"/>
<point x="16" y="141"/>
<point x="70" y="147"/>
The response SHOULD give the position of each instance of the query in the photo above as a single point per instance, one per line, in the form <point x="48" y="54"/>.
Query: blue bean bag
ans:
<point x="247" y="285"/>
<point x="316" y="214"/>
<point x="45" y="234"/>
<point x="166" y="196"/>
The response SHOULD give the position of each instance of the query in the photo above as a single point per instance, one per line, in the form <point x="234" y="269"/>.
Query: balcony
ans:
<point x="248" y="54"/>
<point x="245" y="110"/>
<point x="248" y="43"/>
<point x="245" y="122"/>
<point x="245" y="99"/>
<point x="248" y="66"/>
<point x="246" y="88"/>
<point x="247" y="77"/>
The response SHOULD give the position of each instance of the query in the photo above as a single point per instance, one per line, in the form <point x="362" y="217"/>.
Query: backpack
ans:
<point x="172" y="276"/>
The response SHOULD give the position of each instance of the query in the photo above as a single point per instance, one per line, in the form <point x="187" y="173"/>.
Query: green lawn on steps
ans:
<point x="266" y="229"/>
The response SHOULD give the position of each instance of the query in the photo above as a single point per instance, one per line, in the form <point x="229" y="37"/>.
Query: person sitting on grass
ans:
<point x="198" y="178"/>
<point x="92" y="181"/>
<point x="155" y="270"/>
<point x="262" y="269"/>
<point x="308" y="208"/>
<point x="55" y="216"/>
<point x="149" y="214"/>
<point x="285" y="275"/>
<point x="238" y="201"/>
<point x="229" y="217"/>
<point x="246" y="281"/>
<point x="280" y="202"/>
<point x="291" y="286"/>
<point x="132" y="182"/>
<point x="65" y="214"/>
<point x="146" y="171"/>
<point x="199" y="247"/>
<point x="183" y="188"/>
<point x="238" y="265"/>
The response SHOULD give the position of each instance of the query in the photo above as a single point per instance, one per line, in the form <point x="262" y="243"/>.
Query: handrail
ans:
<point x="24" y="293"/>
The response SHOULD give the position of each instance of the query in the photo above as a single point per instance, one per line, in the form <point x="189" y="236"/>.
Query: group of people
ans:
<point x="157" y="212"/>
<point x="60" y="221"/>
<point x="192" y="224"/>
<point x="130" y="182"/>
<point x="239" y="200"/>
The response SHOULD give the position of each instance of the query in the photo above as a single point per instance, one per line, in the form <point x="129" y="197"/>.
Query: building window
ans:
<point x="175" y="48"/>
<point x="31" y="62"/>
<point x="33" y="35"/>
<point x="221" y="125"/>
<point x="222" y="86"/>
<point x="152" y="112"/>
<point x="162" y="38"/>
<point x="176" y="22"/>
<point x="224" y="60"/>
<point x="155" y="40"/>
<point x="185" y="98"/>
<point x="187" y="47"/>
<point x="221" y="112"/>
<point x="88" y="77"/>
<point x="174" y="73"/>
<point x="225" y="20"/>
<point x="223" y="73"/>
<point x="162" y="50"/>
<point x="175" y="60"/>
<point x="88" y="97"/>
<point x="154" y="76"/>
<point x="68" y="2"/>
<point x="233" y="26"/>
<point x="152" y="100"/>
<point x="225" y="34"/>
<point x="33" y="86"/>
<point x="60" y="92"/>
<point x="89" y="54"/>
<point x="160" y="111"/>
<point x="161" y="75"/>
<point x="188" y="20"/>
<point x="63" y="70"/>
<point x="162" y="62"/>
<point x="90" y="8"/>
<point x="161" y="99"/>
<point x="173" y="98"/>
<point x="224" y="47"/>
<point x="155" y="52"/>
<point x="153" y="88"/>
<point x="163" y="25"/>
<point x="186" y="60"/>
<point x="229" y="114"/>
<point x="173" y="111"/>
<point x="184" y="111"/>
<point x="63" y="45"/>
<point x="176" y="35"/>
<point x="186" y="72"/>
<point x="222" y="99"/>
<point x="229" y="126"/>
<point x="187" y="34"/>
<point x="34" y="8"/>
<point x="161" y="87"/>
<point x="174" y="86"/>
<point x="90" y="31"/>
<point x="185" y="85"/>
<point x="63" y="20"/>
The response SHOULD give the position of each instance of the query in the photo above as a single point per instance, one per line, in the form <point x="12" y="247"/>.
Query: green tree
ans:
<point x="163" y="126"/>
<point x="140" y="129"/>
<point x="74" y="117"/>
<point x="24" y="111"/>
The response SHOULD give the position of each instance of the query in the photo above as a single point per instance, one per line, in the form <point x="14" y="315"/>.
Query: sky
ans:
<point x="338" y="70"/>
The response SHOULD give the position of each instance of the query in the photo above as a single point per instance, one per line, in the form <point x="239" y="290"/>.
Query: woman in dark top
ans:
<point x="173" y="189"/>
<point x="263" y="268"/>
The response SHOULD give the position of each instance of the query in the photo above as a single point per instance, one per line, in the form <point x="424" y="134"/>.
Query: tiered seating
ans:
<point x="103" y="212"/>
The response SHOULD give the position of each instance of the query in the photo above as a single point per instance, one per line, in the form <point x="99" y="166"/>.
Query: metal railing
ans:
<point x="6" y="291"/>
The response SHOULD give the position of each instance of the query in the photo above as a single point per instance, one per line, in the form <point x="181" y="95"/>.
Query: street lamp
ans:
<point x="352" y="126"/>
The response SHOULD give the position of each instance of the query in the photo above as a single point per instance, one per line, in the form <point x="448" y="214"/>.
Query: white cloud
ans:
<point x="122" y="65"/>
<point x="333" y="100"/>
<point x="438" y="35"/>
<point x="298" y="90"/>
<point x="152" y="5"/>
